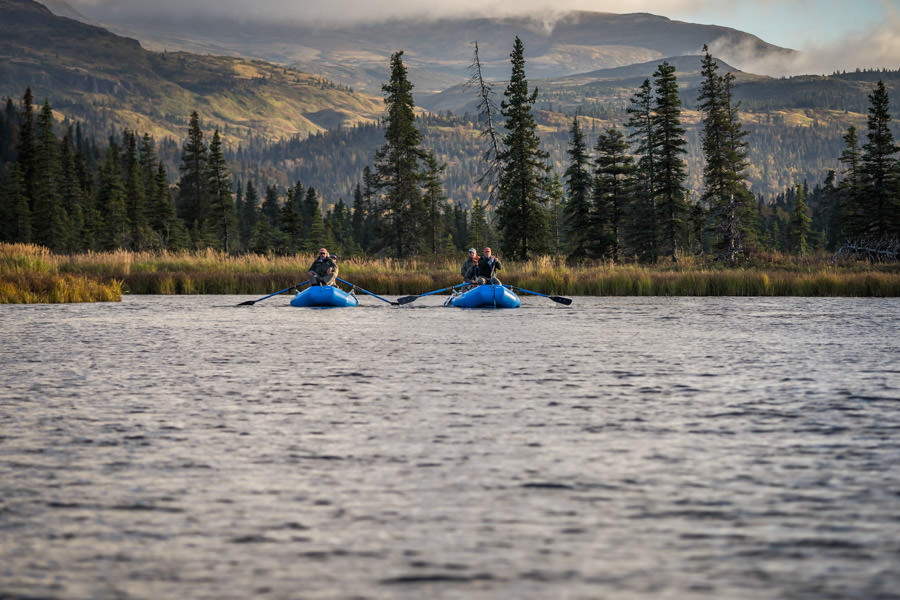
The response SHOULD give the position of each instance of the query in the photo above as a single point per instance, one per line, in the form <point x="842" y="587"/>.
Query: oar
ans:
<point x="560" y="299"/>
<point x="353" y="285"/>
<point x="408" y="299"/>
<point x="252" y="302"/>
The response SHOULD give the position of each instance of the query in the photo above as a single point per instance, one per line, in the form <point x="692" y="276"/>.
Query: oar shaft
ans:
<point x="558" y="299"/>
<point x="408" y="299"/>
<point x="296" y="285"/>
<point x="366" y="291"/>
<point x="512" y="287"/>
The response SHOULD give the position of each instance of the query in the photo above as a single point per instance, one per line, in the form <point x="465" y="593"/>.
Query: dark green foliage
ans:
<point x="725" y="152"/>
<point x="641" y="226"/>
<point x="397" y="164"/>
<point x="222" y="213"/>
<point x="17" y="214"/>
<point x="193" y="190"/>
<point x="800" y="223"/>
<point x="522" y="212"/>
<point x="136" y="193"/>
<point x="112" y="229"/>
<point x="479" y="229"/>
<point x="579" y="206"/>
<point x="671" y="170"/>
<point x="880" y="187"/>
<point x="435" y="204"/>
<point x="613" y="191"/>
<point x="50" y="225"/>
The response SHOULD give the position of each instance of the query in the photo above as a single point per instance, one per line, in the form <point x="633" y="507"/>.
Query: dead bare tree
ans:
<point x="874" y="251"/>
<point x="487" y="109"/>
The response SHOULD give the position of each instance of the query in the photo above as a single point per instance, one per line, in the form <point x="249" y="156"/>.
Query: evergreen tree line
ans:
<point x="629" y="199"/>
<point x="70" y="195"/>
<point x="623" y="198"/>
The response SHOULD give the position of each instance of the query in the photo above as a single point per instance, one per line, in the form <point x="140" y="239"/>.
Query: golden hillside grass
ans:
<point x="28" y="271"/>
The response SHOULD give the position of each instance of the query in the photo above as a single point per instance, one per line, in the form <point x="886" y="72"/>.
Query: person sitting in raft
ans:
<point x="323" y="270"/>
<point x="468" y="267"/>
<point x="486" y="267"/>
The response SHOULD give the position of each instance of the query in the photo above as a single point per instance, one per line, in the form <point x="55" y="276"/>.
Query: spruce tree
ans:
<point x="460" y="228"/>
<point x="556" y="200"/>
<point x="613" y="189"/>
<point x="670" y="148"/>
<point x="222" y="211"/>
<point x="72" y="197"/>
<point x="478" y="226"/>
<point x="19" y="225"/>
<point x="291" y="219"/>
<point x="397" y="164"/>
<point x="50" y="224"/>
<point x="579" y="205"/>
<point x="800" y="223"/>
<point x="114" y="229"/>
<point x="641" y="230"/>
<point x="848" y="216"/>
<point x="725" y="153"/>
<point x="339" y="224"/>
<point x="309" y="212"/>
<point x="135" y="192"/>
<point x="249" y="215"/>
<point x="880" y="186"/>
<point x="522" y="213"/>
<point x="27" y="150"/>
<point x="193" y="194"/>
<point x="168" y="232"/>
<point x="358" y="218"/>
<point x="435" y="203"/>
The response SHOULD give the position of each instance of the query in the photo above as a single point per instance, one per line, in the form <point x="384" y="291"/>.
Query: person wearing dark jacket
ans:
<point x="487" y="267"/>
<point x="468" y="267"/>
<point x="323" y="270"/>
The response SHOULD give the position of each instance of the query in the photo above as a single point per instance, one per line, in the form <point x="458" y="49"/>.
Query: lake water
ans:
<point x="628" y="448"/>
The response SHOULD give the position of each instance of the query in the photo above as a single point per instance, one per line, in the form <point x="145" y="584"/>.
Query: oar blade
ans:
<point x="247" y="303"/>
<point x="561" y="300"/>
<point x="406" y="300"/>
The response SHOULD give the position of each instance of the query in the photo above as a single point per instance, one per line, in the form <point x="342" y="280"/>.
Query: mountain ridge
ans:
<point x="93" y="73"/>
<point x="438" y="52"/>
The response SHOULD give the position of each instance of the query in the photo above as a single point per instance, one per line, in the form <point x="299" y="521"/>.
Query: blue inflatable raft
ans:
<point x="324" y="296"/>
<point x="484" y="296"/>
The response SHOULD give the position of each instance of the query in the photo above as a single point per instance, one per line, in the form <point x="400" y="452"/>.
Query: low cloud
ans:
<point x="878" y="48"/>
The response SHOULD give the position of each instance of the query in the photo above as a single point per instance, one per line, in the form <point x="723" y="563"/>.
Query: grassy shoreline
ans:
<point x="31" y="273"/>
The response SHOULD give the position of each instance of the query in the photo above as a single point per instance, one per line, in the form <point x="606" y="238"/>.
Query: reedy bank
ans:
<point x="32" y="274"/>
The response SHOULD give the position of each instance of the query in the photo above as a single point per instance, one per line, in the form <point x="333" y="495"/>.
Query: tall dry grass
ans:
<point x="213" y="272"/>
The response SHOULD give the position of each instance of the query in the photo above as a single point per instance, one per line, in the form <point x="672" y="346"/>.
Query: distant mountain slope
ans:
<point x="439" y="52"/>
<point x="613" y="86"/>
<point x="61" y="8"/>
<point x="87" y="73"/>
<point x="91" y="73"/>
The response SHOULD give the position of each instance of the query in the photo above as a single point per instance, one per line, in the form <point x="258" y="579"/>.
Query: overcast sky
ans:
<point x="834" y="34"/>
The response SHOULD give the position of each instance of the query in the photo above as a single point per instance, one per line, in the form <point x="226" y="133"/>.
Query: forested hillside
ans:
<point x="787" y="144"/>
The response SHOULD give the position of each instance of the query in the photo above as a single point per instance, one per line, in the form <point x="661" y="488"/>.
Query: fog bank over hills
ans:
<point x="438" y="52"/>
<point x="864" y="34"/>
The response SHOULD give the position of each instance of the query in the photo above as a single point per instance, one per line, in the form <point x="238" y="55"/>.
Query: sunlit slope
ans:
<point x="91" y="74"/>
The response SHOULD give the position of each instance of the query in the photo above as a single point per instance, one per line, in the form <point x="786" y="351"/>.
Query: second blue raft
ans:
<point x="484" y="296"/>
<point x="324" y="296"/>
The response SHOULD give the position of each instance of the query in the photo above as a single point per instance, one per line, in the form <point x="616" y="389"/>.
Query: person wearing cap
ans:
<point x="486" y="268"/>
<point x="468" y="267"/>
<point x="323" y="270"/>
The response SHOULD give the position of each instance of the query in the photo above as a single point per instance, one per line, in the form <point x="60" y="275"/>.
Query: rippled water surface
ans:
<point x="182" y="447"/>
